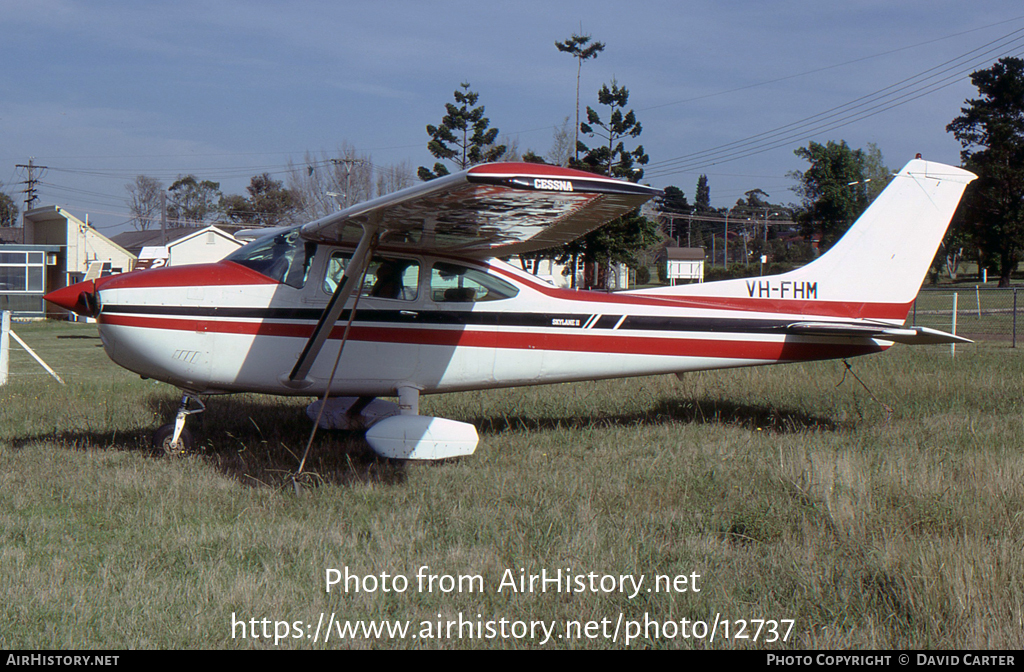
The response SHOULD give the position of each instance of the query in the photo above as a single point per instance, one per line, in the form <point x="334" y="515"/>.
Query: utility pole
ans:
<point x="163" y="218"/>
<point x="725" y="242"/>
<point x="30" y="185"/>
<point x="348" y="163"/>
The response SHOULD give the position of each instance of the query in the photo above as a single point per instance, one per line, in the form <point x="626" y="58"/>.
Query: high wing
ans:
<point x="496" y="209"/>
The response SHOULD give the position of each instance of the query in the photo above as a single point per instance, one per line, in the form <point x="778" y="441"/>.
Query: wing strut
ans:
<point x="353" y="274"/>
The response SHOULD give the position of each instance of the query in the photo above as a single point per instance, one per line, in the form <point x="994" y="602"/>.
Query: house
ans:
<point x="180" y="246"/>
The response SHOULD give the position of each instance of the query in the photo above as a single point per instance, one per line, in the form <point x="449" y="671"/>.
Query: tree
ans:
<point x="673" y="205"/>
<point x="562" y="145"/>
<point x="702" y="199"/>
<point x="991" y="131"/>
<point x="876" y="173"/>
<point x="674" y="200"/>
<point x="393" y="177"/>
<point x="580" y="47"/>
<point x="833" y="189"/>
<point x="144" y="196"/>
<point x="561" y="152"/>
<point x="8" y="210"/>
<point x="463" y="137"/>
<point x="268" y="204"/>
<point x="611" y="157"/>
<point x="619" y="240"/>
<point x="755" y="199"/>
<point x="193" y="202"/>
<point x="332" y="181"/>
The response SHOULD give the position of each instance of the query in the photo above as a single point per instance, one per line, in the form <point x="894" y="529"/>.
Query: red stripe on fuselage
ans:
<point x="196" y="275"/>
<point x="804" y="308"/>
<point x="574" y="342"/>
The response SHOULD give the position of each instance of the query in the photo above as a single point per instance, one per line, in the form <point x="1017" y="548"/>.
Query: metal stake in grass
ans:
<point x="887" y="407"/>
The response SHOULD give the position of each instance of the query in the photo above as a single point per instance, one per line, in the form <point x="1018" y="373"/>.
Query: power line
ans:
<point x="880" y="101"/>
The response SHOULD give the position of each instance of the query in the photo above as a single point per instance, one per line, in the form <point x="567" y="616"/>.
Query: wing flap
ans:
<point x="489" y="210"/>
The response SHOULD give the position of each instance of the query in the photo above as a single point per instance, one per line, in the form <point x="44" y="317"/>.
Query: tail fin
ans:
<point x="882" y="259"/>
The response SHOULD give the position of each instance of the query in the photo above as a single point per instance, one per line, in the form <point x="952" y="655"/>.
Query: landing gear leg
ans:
<point x="409" y="400"/>
<point x="174" y="439"/>
<point x="360" y="404"/>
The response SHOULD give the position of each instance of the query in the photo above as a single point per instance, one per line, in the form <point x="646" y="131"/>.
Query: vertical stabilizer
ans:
<point x="882" y="259"/>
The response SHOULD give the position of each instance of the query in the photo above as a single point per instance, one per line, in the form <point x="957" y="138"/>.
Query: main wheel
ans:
<point x="162" y="441"/>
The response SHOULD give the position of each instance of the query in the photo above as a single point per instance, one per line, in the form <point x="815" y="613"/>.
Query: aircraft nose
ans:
<point x="79" y="298"/>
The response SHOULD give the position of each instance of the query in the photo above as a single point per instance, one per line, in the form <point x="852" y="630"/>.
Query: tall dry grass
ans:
<point x="882" y="519"/>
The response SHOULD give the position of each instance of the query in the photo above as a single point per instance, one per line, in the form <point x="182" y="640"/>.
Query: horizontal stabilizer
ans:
<point x="909" y="336"/>
<point x="924" y="336"/>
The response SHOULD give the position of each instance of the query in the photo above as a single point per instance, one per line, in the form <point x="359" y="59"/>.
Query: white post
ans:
<point x="5" y="345"/>
<point x="36" y="357"/>
<point x="952" y="346"/>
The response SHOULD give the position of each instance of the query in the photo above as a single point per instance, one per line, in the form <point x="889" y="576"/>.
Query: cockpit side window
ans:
<point x="386" y="277"/>
<point x="284" y="257"/>
<point x="452" y="283"/>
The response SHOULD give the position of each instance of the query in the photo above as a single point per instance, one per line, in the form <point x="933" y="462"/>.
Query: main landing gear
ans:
<point x="173" y="438"/>
<point x="397" y="431"/>
<point x="411" y="436"/>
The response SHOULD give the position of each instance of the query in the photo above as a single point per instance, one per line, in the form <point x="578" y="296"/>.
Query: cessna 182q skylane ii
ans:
<point x="404" y="295"/>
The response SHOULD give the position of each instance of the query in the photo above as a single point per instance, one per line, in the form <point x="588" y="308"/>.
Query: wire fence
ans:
<point x="979" y="313"/>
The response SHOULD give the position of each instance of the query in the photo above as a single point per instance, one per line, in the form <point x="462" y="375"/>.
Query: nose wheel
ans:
<point x="173" y="438"/>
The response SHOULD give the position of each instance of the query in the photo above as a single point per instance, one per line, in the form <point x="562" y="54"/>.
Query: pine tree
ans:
<point x="463" y="137"/>
<point x="619" y="240"/>
<point x="611" y="157"/>
<point x="702" y="200"/>
<point x="580" y="47"/>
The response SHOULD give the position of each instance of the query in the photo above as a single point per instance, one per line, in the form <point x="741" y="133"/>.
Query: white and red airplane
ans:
<point x="404" y="295"/>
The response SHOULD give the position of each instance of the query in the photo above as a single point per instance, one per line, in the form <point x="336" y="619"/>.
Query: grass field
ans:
<point x="889" y="519"/>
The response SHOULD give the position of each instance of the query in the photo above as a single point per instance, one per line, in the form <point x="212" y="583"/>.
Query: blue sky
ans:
<point x="102" y="91"/>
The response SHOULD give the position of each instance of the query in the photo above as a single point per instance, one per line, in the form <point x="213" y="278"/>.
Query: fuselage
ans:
<point x="434" y="323"/>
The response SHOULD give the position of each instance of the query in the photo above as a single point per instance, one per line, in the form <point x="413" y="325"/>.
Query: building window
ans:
<point x="21" y="272"/>
<point x="21" y="281"/>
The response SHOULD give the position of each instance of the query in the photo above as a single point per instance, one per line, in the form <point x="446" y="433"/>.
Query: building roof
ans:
<point x="136" y="240"/>
<point x="684" y="253"/>
<point x="55" y="213"/>
<point x="11" y="234"/>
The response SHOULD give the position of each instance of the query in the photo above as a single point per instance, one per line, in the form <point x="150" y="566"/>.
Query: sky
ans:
<point x="102" y="91"/>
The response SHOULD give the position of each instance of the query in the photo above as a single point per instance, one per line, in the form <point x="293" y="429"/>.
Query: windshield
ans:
<point x="284" y="257"/>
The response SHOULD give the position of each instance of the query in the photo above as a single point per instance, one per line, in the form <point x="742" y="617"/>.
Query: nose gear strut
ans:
<point x="173" y="438"/>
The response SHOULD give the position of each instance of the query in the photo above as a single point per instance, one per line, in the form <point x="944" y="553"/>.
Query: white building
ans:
<point x="82" y="247"/>
<point x="183" y="246"/>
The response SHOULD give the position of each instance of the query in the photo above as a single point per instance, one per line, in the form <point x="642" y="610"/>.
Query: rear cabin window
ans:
<point x="386" y="277"/>
<point x="452" y="283"/>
